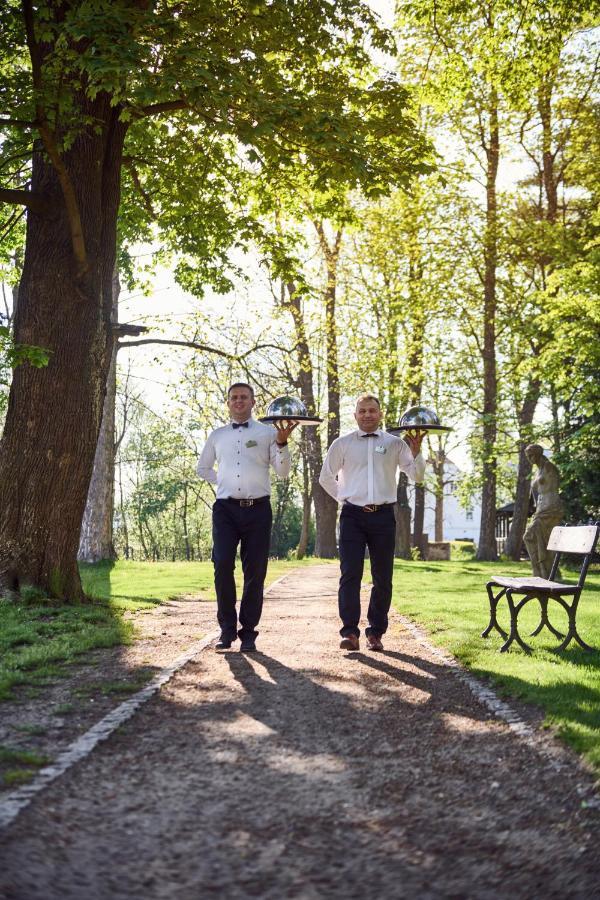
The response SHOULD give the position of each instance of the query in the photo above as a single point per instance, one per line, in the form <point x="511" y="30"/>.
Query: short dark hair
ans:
<point x="241" y="384"/>
<point x="363" y="397"/>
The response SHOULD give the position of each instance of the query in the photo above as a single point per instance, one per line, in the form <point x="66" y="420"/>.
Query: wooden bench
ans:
<point x="577" y="540"/>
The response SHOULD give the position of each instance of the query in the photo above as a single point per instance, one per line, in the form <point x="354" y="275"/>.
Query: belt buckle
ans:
<point x="370" y="507"/>
<point x="246" y="502"/>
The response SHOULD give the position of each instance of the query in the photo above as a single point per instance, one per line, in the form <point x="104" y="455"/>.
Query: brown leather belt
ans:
<point x="370" y="507"/>
<point x="248" y="501"/>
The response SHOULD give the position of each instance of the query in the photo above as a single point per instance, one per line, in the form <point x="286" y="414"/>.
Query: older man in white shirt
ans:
<point x="244" y="451"/>
<point x="359" y="472"/>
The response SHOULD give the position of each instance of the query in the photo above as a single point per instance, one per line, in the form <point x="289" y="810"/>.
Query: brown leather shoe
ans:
<point x="374" y="642"/>
<point x="350" y="642"/>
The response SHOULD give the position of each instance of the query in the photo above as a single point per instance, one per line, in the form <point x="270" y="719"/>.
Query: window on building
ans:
<point x="469" y="515"/>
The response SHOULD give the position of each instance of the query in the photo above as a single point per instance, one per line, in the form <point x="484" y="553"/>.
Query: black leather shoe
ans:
<point x="248" y="646"/>
<point x="223" y="643"/>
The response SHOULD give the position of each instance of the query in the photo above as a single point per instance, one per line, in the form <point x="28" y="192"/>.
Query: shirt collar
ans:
<point x="376" y="431"/>
<point x="249" y="421"/>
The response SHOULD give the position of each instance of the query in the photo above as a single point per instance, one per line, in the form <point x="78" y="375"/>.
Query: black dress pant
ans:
<point x="250" y="527"/>
<point x="377" y="531"/>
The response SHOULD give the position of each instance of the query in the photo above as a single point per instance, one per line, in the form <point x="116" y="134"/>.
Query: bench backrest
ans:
<point x="577" y="539"/>
<point x="573" y="539"/>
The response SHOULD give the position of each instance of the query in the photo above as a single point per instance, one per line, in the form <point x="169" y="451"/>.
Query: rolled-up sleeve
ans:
<point x="413" y="466"/>
<point x="206" y="462"/>
<point x="331" y="466"/>
<point x="280" y="459"/>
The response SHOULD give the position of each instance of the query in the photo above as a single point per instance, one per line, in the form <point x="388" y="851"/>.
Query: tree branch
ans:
<point x="139" y="187"/>
<point x="156" y="108"/>
<point x="193" y="345"/>
<point x="19" y="123"/>
<point x="24" y="198"/>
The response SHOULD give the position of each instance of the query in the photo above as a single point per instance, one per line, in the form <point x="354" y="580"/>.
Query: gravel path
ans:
<point x="304" y="772"/>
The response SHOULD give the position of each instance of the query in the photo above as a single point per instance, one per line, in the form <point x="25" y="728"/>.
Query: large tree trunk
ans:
<point x="96" y="538"/>
<point x="514" y="540"/>
<point x="325" y="506"/>
<point x="54" y="414"/>
<point x="419" y="516"/>
<point x="415" y="359"/>
<point x="487" y="549"/>
<point x="439" y="462"/>
<point x="302" y="547"/>
<point x="403" y="513"/>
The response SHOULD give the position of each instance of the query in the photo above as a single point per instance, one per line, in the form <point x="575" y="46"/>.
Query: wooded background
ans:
<point x="422" y="202"/>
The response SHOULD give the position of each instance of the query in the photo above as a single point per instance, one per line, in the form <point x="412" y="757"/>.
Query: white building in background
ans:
<point x="459" y="523"/>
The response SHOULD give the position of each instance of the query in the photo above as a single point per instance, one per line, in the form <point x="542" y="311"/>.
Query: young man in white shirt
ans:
<point x="243" y="451"/>
<point x="359" y="472"/>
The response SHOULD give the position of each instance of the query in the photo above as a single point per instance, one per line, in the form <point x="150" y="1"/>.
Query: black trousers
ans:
<point x="377" y="531"/>
<point x="250" y="527"/>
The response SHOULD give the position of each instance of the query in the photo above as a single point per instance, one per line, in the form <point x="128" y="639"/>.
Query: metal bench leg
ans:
<point x="493" y="607"/>
<point x="544" y="620"/>
<point x="514" y="629"/>
<point x="572" y="633"/>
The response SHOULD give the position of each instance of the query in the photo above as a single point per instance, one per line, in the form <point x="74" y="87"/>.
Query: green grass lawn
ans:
<point x="138" y="585"/>
<point x="39" y="640"/>
<point x="450" y="600"/>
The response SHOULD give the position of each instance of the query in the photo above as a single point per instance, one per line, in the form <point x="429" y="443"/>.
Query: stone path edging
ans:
<point x="17" y="800"/>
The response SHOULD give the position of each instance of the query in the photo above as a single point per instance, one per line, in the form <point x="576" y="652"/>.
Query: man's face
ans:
<point x="367" y="415"/>
<point x="240" y="402"/>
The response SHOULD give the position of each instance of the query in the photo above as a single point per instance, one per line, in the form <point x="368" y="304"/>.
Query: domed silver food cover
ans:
<point x="289" y="409"/>
<point x="419" y="418"/>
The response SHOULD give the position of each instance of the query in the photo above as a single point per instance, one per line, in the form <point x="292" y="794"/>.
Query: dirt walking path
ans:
<point x="305" y="772"/>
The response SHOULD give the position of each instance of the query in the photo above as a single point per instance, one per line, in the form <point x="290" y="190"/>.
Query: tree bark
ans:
<point x="96" y="537"/>
<point x="486" y="549"/>
<point x="325" y="506"/>
<point x="514" y="540"/>
<point x="439" y="462"/>
<point x="403" y="514"/>
<point x="419" y="515"/>
<point x="302" y="547"/>
<point x="54" y="414"/>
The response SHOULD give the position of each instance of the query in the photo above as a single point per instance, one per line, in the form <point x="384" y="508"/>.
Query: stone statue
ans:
<point x="548" y="511"/>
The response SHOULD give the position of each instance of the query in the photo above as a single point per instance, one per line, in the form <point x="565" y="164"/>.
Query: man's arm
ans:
<point x="279" y="451"/>
<point x="280" y="459"/>
<point x="410" y="459"/>
<point x="331" y="466"/>
<point x="206" y="462"/>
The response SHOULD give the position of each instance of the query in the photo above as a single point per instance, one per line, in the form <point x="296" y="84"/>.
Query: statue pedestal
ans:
<point x="439" y="550"/>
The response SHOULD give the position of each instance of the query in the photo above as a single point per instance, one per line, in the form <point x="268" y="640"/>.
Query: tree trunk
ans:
<point x="514" y="540"/>
<point x="96" y="538"/>
<point x="419" y="515"/>
<point x="325" y="506"/>
<point x="403" y="514"/>
<point x="54" y="414"/>
<point x="439" y="461"/>
<point x="487" y="549"/>
<point x="124" y="528"/>
<point x="302" y="547"/>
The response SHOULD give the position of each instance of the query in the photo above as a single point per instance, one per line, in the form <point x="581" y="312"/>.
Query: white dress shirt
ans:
<point x="362" y="470"/>
<point x="243" y="456"/>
